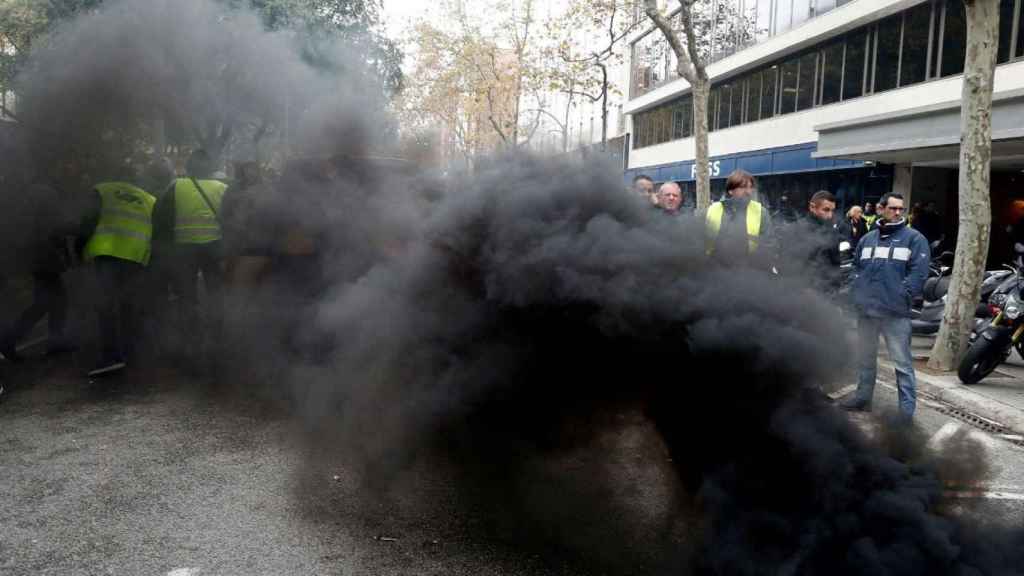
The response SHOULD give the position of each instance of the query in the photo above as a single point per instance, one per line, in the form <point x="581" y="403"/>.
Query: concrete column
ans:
<point x="902" y="182"/>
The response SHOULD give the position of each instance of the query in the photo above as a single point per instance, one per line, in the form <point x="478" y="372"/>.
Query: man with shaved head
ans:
<point x="670" y="198"/>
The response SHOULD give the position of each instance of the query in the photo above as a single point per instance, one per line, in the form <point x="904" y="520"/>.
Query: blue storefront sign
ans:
<point x="785" y="160"/>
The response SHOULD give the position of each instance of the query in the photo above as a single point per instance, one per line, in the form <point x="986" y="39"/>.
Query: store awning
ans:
<point x="928" y="135"/>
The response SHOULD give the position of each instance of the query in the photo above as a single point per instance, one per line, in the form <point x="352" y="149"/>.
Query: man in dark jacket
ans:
<point x="891" y="266"/>
<point x="48" y="223"/>
<point x="825" y="249"/>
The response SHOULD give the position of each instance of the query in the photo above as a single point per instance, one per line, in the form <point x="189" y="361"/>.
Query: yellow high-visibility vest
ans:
<point x="713" y="222"/>
<point x="125" y="227"/>
<point x="194" y="221"/>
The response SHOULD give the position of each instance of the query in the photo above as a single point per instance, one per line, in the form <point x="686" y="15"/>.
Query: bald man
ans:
<point x="670" y="198"/>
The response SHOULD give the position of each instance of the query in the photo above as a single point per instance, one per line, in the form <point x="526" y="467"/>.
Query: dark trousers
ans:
<point x="48" y="299"/>
<point x="189" y="261"/>
<point x="116" y="279"/>
<point x="201" y="323"/>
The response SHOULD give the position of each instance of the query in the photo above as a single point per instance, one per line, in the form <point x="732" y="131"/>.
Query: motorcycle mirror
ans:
<point x="935" y="245"/>
<point x="947" y="256"/>
<point x="1018" y="248"/>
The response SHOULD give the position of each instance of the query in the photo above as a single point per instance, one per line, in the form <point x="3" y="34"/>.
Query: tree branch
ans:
<point x="539" y="111"/>
<point x="685" y="67"/>
<point x="694" y="59"/>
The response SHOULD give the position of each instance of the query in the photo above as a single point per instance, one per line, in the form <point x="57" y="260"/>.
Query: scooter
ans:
<point x="993" y="343"/>
<point x="927" y="318"/>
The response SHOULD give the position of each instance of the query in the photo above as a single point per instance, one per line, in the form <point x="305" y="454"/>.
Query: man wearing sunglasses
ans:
<point x="891" y="266"/>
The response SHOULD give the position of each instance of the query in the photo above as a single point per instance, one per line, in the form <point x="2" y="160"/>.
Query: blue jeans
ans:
<point x="896" y="331"/>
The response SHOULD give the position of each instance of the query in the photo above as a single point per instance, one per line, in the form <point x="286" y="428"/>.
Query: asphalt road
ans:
<point x="144" y="475"/>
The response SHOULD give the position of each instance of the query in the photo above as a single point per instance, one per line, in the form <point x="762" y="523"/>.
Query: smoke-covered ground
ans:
<point x="500" y="323"/>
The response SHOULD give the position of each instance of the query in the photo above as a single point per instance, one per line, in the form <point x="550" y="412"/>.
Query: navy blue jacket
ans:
<point x="891" y="271"/>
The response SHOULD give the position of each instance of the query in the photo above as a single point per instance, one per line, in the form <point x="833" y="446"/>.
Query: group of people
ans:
<point x="882" y="259"/>
<point x="116" y="232"/>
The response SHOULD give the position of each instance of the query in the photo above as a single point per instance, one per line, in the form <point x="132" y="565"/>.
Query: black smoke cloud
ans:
<point x="540" y="298"/>
<point x="510" y="315"/>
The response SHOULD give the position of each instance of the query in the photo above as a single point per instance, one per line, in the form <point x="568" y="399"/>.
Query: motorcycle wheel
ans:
<point x="981" y="359"/>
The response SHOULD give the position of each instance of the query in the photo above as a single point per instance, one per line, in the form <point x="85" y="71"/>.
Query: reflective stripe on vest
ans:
<point x="125" y="227"/>
<point x="714" y="225"/>
<point x="194" y="222"/>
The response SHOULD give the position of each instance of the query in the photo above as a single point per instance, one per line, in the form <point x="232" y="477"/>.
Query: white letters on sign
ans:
<point x="715" y="167"/>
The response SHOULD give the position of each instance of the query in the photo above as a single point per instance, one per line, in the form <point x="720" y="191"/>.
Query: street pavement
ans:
<point x="146" y="475"/>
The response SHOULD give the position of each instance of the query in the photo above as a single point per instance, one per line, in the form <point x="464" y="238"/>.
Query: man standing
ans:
<point x="670" y="198"/>
<point x="49" y="223"/>
<point x="119" y="246"/>
<point x="869" y="214"/>
<point x="735" y="227"/>
<point x="187" y="221"/>
<point x="854" y="227"/>
<point x="829" y="251"/>
<point x="644" y="186"/>
<point x="891" y="266"/>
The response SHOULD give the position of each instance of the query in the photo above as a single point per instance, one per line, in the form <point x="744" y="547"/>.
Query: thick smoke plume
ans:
<point x="507" y="317"/>
<point x="541" y="296"/>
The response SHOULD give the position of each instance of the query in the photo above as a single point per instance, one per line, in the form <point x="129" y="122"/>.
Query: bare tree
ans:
<point x="585" y="40"/>
<point x="691" y="66"/>
<point x="975" y="176"/>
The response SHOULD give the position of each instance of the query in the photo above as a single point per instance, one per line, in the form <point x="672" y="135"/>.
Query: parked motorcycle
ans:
<point x="993" y="343"/>
<point x="926" y="318"/>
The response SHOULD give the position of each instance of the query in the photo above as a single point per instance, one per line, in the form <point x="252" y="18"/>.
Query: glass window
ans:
<point x="724" y="106"/>
<point x="769" y="91"/>
<point x="651" y="63"/>
<point x="801" y="11"/>
<point x="887" y="56"/>
<point x="754" y="96"/>
<point x="764" y="19"/>
<point x="746" y="32"/>
<point x="787" y="96"/>
<point x="954" y="39"/>
<point x="783" y="15"/>
<point x="832" y="72"/>
<point x="737" y="103"/>
<point x="824" y="6"/>
<point x="853" y="73"/>
<point x="712" y="109"/>
<point x="677" y="121"/>
<point x="806" y="84"/>
<point x="916" y="24"/>
<point x="1005" y="29"/>
<point x="687" y="114"/>
<point x="665" y="124"/>
<point x="1020" y="32"/>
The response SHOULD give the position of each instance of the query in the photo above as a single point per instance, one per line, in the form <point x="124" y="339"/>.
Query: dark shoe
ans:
<point x="107" y="367"/>
<point x="855" y="405"/>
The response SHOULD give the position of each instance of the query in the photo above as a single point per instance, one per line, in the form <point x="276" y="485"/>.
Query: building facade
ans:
<point x="858" y="97"/>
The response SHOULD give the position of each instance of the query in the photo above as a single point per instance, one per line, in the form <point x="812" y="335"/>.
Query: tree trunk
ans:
<point x="701" y="91"/>
<point x="975" y="176"/>
<point x="604" y="108"/>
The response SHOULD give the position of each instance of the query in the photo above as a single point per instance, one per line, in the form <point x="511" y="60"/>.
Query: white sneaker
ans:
<point x="107" y="368"/>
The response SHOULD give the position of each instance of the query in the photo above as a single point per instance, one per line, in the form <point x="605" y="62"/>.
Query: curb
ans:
<point x="960" y="397"/>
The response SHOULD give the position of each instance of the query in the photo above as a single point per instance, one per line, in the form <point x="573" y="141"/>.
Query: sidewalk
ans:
<point x="998" y="398"/>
